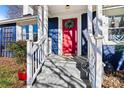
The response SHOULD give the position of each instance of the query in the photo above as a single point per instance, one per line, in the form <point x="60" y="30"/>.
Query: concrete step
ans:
<point x="61" y="73"/>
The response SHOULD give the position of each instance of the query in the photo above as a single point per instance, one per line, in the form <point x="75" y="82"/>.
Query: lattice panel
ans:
<point x="116" y="34"/>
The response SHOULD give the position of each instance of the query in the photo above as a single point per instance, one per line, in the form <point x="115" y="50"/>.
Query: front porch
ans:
<point x="51" y="42"/>
<point x="63" y="72"/>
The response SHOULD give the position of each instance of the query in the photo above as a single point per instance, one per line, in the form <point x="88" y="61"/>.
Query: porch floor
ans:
<point x="62" y="72"/>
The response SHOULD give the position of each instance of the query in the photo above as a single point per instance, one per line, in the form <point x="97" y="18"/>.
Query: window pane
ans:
<point x="116" y="28"/>
<point x="35" y="32"/>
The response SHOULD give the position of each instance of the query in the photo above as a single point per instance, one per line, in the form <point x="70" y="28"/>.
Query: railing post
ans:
<point x="99" y="64"/>
<point x="95" y="48"/>
<point x="29" y="63"/>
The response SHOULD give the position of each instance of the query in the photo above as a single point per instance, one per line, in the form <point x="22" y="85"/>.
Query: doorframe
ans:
<point x="60" y="33"/>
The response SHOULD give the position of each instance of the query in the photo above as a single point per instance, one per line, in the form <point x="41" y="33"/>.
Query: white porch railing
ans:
<point x="35" y="58"/>
<point x="95" y="60"/>
<point x="37" y="51"/>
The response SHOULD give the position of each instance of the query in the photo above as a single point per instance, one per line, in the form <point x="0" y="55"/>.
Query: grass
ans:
<point x="8" y="74"/>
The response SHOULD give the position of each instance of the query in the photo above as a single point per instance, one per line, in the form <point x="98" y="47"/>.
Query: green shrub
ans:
<point x="119" y="48"/>
<point x="19" y="49"/>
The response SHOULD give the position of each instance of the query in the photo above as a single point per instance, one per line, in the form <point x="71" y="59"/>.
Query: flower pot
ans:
<point x="22" y="75"/>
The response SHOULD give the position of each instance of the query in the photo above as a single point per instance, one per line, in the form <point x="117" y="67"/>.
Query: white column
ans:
<point x="91" y="44"/>
<point x="45" y="19"/>
<point x="89" y="18"/>
<point x="45" y="26"/>
<point x="40" y="21"/>
<point x="29" y="63"/>
<point x="99" y="43"/>
<point x="30" y="32"/>
<point x="18" y="32"/>
<point x="89" y="25"/>
<point x="99" y="20"/>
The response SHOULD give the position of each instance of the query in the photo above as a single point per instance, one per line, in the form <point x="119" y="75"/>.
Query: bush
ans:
<point x="19" y="49"/>
<point x="119" y="48"/>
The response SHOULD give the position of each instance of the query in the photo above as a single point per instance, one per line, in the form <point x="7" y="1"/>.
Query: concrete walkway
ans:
<point x="61" y="72"/>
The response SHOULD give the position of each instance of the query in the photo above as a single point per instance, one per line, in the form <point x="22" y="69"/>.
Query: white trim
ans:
<point x="105" y="34"/>
<point x="60" y="34"/>
<point x="8" y="21"/>
<point x="30" y="32"/>
<point x="18" y="32"/>
<point x="113" y="7"/>
<point x="79" y="37"/>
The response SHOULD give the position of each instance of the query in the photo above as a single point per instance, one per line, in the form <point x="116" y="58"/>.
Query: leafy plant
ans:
<point x="119" y="48"/>
<point x="19" y="49"/>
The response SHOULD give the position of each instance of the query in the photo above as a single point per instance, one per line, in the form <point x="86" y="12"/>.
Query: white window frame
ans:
<point x="106" y="28"/>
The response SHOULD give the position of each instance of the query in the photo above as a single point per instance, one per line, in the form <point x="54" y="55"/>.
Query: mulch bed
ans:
<point x="8" y="74"/>
<point x="115" y="80"/>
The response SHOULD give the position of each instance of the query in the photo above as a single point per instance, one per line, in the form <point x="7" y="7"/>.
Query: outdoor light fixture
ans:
<point x="67" y="6"/>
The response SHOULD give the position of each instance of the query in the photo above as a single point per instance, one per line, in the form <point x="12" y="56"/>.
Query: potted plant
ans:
<point x="19" y="53"/>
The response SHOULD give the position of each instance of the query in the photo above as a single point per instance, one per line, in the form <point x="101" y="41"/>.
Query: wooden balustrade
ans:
<point x="35" y="58"/>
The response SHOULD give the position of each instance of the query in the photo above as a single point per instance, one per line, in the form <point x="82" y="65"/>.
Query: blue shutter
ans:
<point x="83" y="39"/>
<point x="53" y="33"/>
<point x="84" y="28"/>
<point x="94" y="15"/>
<point x="35" y="32"/>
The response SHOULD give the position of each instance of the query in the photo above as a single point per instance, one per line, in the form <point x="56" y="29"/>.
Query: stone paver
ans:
<point x="60" y="72"/>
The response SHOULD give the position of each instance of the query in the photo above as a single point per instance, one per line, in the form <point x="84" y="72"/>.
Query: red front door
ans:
<point x="69" y="36"/>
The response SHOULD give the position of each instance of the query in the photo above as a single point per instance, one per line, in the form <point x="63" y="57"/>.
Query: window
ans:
<point x="116" y="28"/>
<point x="35" y="32"/>
<point x="25" y="34"/>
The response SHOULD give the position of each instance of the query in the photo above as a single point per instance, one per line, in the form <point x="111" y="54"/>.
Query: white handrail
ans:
<point x="35" y="58"/>
<point x="38" y="43"/>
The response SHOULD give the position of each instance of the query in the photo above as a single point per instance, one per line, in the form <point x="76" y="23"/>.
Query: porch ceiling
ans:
<point x="60" y="9"/>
